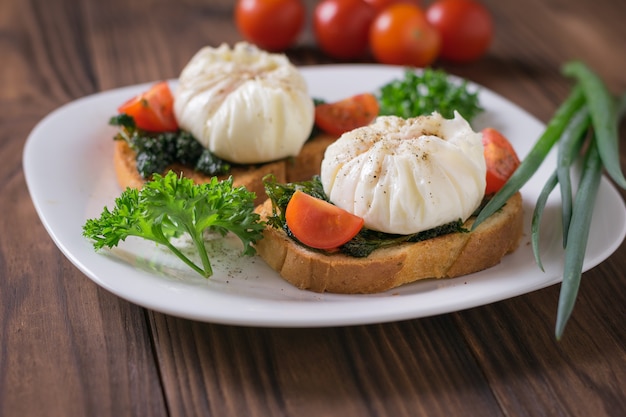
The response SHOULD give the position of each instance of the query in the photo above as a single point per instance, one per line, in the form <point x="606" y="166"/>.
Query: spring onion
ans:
<point x="576" y="245"/>
<point x="604" y="116"/>
<point x="535" y="157"/>
<point x="602" y="153"/>
<point x="589" y="107"/>
<point x="537" y="215"/>
<point x="580" y="223"/>
<point x="569" y="147"/>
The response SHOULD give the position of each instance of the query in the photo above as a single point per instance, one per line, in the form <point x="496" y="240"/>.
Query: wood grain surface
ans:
<point x="70" y="348"/>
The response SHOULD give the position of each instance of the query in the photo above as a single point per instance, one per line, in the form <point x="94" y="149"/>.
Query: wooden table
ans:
<point x="70" y="348"/>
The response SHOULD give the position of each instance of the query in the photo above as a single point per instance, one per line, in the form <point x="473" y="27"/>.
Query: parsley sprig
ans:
<point x="420" y="93"/>
<point x="170" y="206"/>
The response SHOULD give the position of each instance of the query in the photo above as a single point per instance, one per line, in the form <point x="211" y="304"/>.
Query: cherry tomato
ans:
<point x="273" y="25"/>
<point x="501" y="159"/>
<point x="380" y="5"/>
<point x="347" y="114"/>
<point x="341" y="27"/>
<point x="320" y="224"/>
<point x="465" y="26"/>
<point x="401" y="35"/>
<point x="152" y="110"/>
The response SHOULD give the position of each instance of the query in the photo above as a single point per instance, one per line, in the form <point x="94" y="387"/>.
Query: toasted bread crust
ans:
<point x="445" y="256"/>
<point x="299" y="168"/>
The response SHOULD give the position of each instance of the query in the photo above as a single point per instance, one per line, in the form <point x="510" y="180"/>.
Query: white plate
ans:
<point x="68" y="168"/>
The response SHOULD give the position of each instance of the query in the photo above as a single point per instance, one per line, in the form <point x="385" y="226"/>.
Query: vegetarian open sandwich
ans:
<point x="445" y="256"/>
<point x="415" y="184"/>
<point x="238" y="112"/>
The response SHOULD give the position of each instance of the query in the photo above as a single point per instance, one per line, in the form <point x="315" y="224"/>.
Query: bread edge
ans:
<point x="299" y="168"/>
<point x="446" y="256"/>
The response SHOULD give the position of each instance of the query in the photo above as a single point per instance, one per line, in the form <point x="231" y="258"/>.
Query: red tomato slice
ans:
<point x="152" y="110"/>
<point x="501" y="159"/>
<point x="347" y="114"/>
<point x="319" y="224"/>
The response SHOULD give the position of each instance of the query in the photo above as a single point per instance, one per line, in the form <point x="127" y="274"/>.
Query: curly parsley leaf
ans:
<point x="170" y="206"/>
<point x="420" y="93"/>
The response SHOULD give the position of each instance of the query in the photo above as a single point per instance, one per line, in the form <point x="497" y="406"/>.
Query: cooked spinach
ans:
<point x="156" y="151"/>
<point x="365" y="242"/>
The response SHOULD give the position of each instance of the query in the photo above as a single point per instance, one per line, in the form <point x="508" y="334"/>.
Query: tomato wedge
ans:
<point x="501" y="159"/>
<point x="347" y="114"/>
<point x="152" y="110"/>
<point x="320" y="224"/>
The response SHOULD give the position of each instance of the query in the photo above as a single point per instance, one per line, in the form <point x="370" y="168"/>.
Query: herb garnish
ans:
<point x="170" y="206"/>
<point x="421" y="93"/>
<point x="588" y="120"/>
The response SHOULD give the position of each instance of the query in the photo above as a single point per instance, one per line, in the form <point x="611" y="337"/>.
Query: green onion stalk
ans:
<point x="584" y="126"/>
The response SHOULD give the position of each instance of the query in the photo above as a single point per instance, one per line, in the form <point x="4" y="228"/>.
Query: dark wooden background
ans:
<point x="70" y="348"/>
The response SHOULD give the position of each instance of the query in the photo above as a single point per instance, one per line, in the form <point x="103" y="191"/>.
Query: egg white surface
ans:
<point x="244" y="104"/>
<point x="404" y="176"/>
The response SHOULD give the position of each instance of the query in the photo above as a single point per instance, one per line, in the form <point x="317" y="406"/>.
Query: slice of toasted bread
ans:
<point x="299" y="168"/>
<point x="445" y="256"/>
